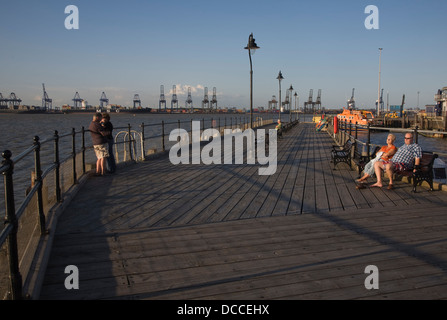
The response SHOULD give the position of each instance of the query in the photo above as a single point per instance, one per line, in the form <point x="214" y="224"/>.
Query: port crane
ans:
<point x="174" y="100"/>
<point x="380" y="104"/>
<point x="286" y="102"/>
<point x="351" y="102"/>
<point x="103" y="100"/>
<point x="273" y="104"/>
<point x="188" y="103"/>
<point x="77" y="101"/>
<point x="402" y="106"/>
<point x="162" y="101"/>
<point x="214" y="100"/>
<point x="318" y="101"/>
<point x="205" y="101"/>
<point x="3" y="102"/>
<point x="309" y="101"/>
<point x="47" y="103"/>
<point x="14" y="102"/>
<point x="136" y="101"/>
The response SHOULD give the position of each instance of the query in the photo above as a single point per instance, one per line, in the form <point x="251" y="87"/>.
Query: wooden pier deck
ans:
<point x="158" y="231"/>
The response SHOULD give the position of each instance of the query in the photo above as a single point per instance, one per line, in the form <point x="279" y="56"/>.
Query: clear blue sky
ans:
<point x="134" y="46"/>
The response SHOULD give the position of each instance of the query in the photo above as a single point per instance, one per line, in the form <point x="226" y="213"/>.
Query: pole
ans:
<point x="279" y="99"/>
<point x="251" y="89"/>
<point x="378" y="95"/>
<point x="15" y="278"/>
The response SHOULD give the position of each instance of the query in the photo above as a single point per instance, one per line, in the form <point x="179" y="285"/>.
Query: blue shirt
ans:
<point x="407" y="153"/>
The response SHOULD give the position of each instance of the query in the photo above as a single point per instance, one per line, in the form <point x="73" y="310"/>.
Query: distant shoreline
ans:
<point x="137" y="111"/>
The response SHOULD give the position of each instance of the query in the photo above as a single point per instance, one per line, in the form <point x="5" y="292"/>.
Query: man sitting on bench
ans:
<point x="279" y="129"/>
<point x="407" y="157"/>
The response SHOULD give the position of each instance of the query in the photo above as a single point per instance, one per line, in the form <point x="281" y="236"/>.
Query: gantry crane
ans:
<point x="351" y="102"/>
<point x="136" y="101"/>
<point x="13" y="101"/>
<point x="77" y="101"/>
<point x="174" y="100"/>
<point x="47" y="103"/>
<point x="309" y="101"/>
<point x="213" y="105"/>
<point x="379" y="103"/>
<point x="162" y="102"/>
<point x="205" y="101"/>
<point x="188" y="103"/>
<point x="3" y="102"/>
<point x="318" y="101"/>
<point x="273" y="104"/>
<point x="103" y="100"/>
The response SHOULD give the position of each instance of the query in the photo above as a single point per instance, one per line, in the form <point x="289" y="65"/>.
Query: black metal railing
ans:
<point x="347" y="130"/>
<point x="65" y="163"/>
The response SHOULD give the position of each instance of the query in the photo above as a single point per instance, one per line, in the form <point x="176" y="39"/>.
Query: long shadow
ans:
<point x="76" y="245"/>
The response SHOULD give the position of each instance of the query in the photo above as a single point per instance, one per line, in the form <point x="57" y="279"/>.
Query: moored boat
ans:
<point x="360" y="117"/>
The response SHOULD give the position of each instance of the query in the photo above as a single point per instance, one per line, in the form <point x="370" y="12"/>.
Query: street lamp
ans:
<point x="290" y="104"/>
<point x="378" y="94"/>
<point x="296" y="109"/>
<point x="280" y="77"/>
<point x="251" y="47"/>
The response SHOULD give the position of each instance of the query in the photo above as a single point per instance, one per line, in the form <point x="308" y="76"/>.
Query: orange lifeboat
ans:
<point x="361" y="117"/>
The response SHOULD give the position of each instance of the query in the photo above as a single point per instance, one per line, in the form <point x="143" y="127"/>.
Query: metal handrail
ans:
<point x="9" y="233"/>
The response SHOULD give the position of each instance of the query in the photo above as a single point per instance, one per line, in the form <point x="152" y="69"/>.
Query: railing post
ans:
<point x="73" y="150"/>
<point x="15" y="278"/>
<point x="416" y="134"/>
<point x="143" y="152"/>
<point x="38" y="181"/>
<point x="130" y="141"/>
<point x="57" y="163"/>
<point x="163" y="136"/>
<point x="83" y="149"/>
<point x="368" y="143"/>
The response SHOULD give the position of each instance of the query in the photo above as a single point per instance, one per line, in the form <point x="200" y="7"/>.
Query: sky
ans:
<point x="133" y="47"/>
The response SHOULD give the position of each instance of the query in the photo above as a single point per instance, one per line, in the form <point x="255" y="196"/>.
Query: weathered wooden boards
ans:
<point x="158" y="231"/>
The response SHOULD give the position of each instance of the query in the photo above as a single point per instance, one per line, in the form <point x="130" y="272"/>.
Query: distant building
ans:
<point x="441" y="101"/>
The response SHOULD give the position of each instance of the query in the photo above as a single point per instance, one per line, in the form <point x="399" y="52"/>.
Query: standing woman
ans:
<point x="108" y="126"/>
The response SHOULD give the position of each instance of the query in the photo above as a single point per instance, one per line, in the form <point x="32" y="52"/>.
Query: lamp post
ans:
<point x="251" y="47"/>
<point x="280" y="77"/>
<point x="296" y="109"/>
<point x="378" y="95"/>
<point x="290" y="103"/>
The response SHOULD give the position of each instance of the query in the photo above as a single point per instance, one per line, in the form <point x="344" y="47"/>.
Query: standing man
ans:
<point x="108" y="126"/>
<point x="407" y="157"/>
<point x="100" y="146"/>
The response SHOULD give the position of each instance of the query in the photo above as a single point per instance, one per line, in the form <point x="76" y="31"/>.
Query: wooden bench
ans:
<point x="425" y="173"/>
<point x="361" y="160"/>
<point x="342" y="153"/>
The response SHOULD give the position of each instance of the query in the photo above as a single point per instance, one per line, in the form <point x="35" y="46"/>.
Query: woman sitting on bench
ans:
<point x="384" y="154"/>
